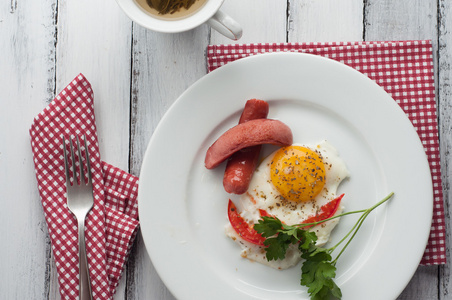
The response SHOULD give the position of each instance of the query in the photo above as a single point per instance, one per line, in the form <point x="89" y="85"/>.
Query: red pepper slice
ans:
<point x="264" y="213"/>
<point x="245" y="230"/>
<point x="326" y="211"/>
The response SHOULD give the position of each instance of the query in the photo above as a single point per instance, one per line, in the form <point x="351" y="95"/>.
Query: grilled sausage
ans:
<point x="248" y="134"/>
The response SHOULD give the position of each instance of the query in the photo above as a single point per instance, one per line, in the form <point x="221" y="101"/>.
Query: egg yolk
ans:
<point x="298" y="173"/>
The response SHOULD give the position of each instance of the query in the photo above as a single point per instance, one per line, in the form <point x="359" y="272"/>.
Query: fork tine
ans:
<point x="80" y="163"/>
<point x="88" y="163"/>
<point x="74" y="170"/>
<point x="66" y="166"/>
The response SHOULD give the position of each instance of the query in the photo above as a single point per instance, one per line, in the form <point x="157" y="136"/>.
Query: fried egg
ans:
<point x="292" y="184"/>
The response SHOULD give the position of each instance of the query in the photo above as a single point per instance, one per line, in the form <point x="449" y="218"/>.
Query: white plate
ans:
<point x="183" y="206"/>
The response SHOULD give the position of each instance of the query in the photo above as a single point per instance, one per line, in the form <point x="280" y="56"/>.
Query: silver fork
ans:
<point x="80" y="201"/>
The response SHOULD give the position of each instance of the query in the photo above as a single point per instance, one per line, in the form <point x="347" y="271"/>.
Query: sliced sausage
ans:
<point x="248" y="134"/>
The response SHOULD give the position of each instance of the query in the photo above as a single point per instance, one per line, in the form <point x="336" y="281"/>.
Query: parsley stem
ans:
<point x="357" y="226"/>
<point x="361" y="218"/>
<point x="331" y="218"/>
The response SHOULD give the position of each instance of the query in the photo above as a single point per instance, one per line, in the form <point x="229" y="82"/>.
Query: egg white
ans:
<point x="262" y="194"/>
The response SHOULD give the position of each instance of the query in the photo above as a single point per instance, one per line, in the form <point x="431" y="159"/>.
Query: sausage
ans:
<point x="248" y="134"/>
<point x="240" y="169"/>
<point x="254" y="109"/>
<point x="241" y="165"/>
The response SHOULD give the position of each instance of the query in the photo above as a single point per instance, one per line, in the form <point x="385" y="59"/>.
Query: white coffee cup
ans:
<point x="209" y="13"/>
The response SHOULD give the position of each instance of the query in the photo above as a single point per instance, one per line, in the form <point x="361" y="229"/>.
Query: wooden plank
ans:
<point x="163" y="66"/>
<point x="262" y="21"/>
<point x="445" y="117"/>
<point x="402" y="20"/>
<point x="100" y="49"/>
<point x="26" y="86"/>
<point x="94" y="38"/>
<point x="423" y="285"/>
<point x="325" y="20"/>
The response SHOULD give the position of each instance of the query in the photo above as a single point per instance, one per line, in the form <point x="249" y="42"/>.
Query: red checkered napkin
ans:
<point x="113" y="221"/>
<point x="405" y="70"/>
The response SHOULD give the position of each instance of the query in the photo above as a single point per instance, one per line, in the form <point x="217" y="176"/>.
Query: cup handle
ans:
<point x="225" y="25"/>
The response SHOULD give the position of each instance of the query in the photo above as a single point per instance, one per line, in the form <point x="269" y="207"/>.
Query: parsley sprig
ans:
<point x="319" y="269"/>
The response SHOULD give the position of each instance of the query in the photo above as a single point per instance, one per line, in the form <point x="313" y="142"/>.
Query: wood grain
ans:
<point x="325" y="20"/>
<point x="100" y="49"/>
<point x="445" y="129"/>
<point x="163" y="66"/>
<point x="26" y="85"/>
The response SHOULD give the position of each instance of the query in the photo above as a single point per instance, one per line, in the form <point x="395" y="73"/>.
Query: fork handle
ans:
<point x="84" y="282"/>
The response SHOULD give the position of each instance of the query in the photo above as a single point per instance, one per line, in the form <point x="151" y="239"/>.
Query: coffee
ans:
<point x="171" y="9"/>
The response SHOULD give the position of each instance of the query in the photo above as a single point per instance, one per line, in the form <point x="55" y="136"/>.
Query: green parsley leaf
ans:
<point x="279" y="237"/>
<point x="277" y="247"/>
<point x="268" y="226"/>
<point x="308" y="239"/>
<point x="318" y="272"/>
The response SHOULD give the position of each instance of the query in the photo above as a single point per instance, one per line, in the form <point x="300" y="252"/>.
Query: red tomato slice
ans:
<point x="264" y="213"/>
<point x="326" y="211"/>
<point x="245" y="230"/>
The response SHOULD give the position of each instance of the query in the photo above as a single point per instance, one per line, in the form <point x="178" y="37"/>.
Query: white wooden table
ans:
<point x="136" y="75"/>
